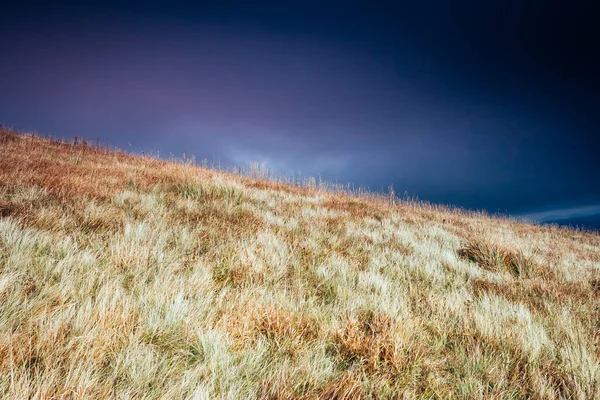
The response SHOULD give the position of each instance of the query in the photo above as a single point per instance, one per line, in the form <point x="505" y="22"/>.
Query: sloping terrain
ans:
<point x="132" y="277"/>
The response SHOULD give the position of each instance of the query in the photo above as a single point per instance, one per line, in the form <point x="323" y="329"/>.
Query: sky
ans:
<point x="483" y="105"/>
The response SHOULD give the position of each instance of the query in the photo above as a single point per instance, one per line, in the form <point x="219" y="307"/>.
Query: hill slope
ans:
<point x="130" y="277"/>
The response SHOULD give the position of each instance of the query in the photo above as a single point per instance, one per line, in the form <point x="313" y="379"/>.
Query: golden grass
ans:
<point x="132" y="277"/>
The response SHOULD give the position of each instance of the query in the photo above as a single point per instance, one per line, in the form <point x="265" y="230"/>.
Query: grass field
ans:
<point x="133" y="277"/>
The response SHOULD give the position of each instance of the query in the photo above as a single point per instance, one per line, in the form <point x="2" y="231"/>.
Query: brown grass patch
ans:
<point x="356" y="208"/>
<point x="539" y="295"/>
<point x="493" y="257"/>
<point x="277" y="325"/>
<point x="6" y="136"/>
<point x="346" y="387"/>
<point x="227" y="223"/>
<point x="366" y="341"/>
<point x="9" y="209"/>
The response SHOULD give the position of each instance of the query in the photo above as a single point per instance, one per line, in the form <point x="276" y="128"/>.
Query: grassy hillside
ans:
<point x="130" y="277"/>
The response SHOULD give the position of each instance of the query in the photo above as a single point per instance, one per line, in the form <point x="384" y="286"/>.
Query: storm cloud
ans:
<point x="483" y="106"/>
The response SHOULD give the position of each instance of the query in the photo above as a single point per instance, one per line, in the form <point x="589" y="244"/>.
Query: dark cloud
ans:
<point x="485" y="105"/>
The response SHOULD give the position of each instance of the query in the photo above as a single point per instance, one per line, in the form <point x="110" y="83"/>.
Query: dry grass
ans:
<point x="131" y="277"/>
<point x="495" y="258"/>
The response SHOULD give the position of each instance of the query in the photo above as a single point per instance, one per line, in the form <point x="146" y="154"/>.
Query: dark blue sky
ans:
<point x="488" y="105"/>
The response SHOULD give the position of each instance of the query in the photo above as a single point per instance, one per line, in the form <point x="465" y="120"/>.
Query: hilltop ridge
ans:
<point x="133" y="277"/>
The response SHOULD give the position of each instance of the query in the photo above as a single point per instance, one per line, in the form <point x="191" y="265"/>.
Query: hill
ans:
<point x="133" y="277"/>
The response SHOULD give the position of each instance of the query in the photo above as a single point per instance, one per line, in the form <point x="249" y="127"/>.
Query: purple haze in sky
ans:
<point x="483" y="106"/>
